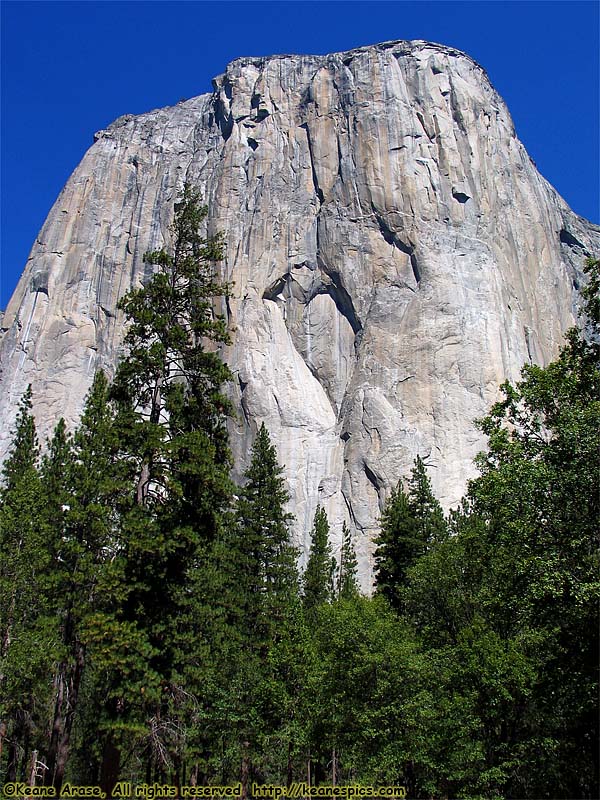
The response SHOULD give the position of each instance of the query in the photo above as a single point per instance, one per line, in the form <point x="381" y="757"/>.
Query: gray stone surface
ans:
<point x="395" y="254"/>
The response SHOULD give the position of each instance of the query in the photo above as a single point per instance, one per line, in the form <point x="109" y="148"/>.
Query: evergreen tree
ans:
<point x="347" y="583"/>
<point x="26" y="632"/>
<point x="174" y="454"/>
<point x="539" y="499"/>
<point x="508" y="605"/>
<point x="168" y="387"/>
<point x="263" y="585"/>
<point x="18" y="498"/>
<point x="425" y="506"/>
<point x="81" y="489"/>
<point x="318" y="576"/>
<point x="411" y="522"/>
<point x="264" y="560"/>
<point x="398" y="546"/>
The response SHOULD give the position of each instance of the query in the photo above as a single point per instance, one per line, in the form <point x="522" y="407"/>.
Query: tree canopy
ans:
<point x="154" y="626"/>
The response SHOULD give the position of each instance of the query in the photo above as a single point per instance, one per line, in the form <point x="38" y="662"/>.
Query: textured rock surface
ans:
<point x="395" y="254"/>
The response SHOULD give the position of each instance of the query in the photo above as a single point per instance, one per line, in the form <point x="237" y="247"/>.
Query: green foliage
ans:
<point x="318" y="576"/>
<point x="425" y="508"/>
<point x="410" y="524"/>
<point x="168" y="388"/>
<point x="347" y="578"/>
<point x="173" y="450"/>
<point x="386" y="709"/>
<point x="26" y="625"/>
<point x="262" y="556"/>
<point x="398" y="547"/>
<point x="24" y="454"/>
<point x="82" y="489"/>
<point x="261" y="598"/>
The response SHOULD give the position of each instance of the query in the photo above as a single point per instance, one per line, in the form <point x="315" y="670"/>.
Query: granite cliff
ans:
<point x="395" y="253"/>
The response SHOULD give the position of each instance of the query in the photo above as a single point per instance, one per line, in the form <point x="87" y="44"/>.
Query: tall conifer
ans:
<point x="347" y="581"/>
<point x="318" y="576"/>
<point x="82" y="490"/>
<point x="425" y="506"/>
<point x="25" y="631"/>
<point x="170" y="420"/>
<point x="410" y="524"/>
<point x="264" y="586"/>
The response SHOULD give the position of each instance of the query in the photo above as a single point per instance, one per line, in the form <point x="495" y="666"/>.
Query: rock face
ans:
<point x="395" y="254"/>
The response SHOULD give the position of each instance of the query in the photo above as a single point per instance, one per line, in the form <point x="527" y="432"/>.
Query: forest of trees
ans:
<point x="154" y="625"/>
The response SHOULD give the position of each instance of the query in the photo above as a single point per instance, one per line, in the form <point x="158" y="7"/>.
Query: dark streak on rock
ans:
<point x="566" y="237"/>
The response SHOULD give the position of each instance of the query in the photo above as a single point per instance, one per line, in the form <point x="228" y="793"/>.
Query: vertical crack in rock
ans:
<point x="376" y="482"/>
<point x="243" y="403"/>
<point x="317" y="188"/>
<point x="222" y="115"/>
<point x="457" y="115"/>
<point x="527" y="332"/>
<point x="421" y="118"/>
<point x="348" y="502"/>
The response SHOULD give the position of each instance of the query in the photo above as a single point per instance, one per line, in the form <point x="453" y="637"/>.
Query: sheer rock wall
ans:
<point x="396" y="255"/>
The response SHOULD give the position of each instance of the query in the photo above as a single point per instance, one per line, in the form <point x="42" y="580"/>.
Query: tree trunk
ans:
<point x="6" y="634"/>
<point x="33" y="769"/>
<point x="142" y="487"/>
<point x="290" y="775"/>
<point x="13" y="748"/>
<point x="245" y="775"/>
<point x="2" y="737"/>
<point x="57" y="724"/>
<point x="111" y="766"/>
<point x="67" y="695"/>
<point x="23" y="773"/>
<point x="333" y="767"/>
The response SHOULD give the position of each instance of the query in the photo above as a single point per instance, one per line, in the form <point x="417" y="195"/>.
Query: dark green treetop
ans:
<point x="318" y="576"/>
<point x="425" y="506"/>
<point x="411" y="522"/>
<point x="266" y="559"/>
<point x="347" y="580"/>
<point x="168" y="387"/>
<point x="25" y="451"/>
<point x="398" y="546"/>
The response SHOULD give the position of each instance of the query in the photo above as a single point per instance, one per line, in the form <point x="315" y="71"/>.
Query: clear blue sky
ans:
<point x="70" y="68"/>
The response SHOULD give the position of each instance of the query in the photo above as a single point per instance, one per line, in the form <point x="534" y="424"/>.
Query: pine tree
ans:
<point x="318" y="576"/>
<point x="82" y="490"/>
<point x="26" y="634"/>
<point x="410" y="524"/>
<point x="18" y="499"/>
<point x="425" y="507"/>
<point x="173" y="445"/>
<point x="347" y="582"/>
<point x="398" y="546"/>
<point x="168" y="387"/>
<point x="264" y="592"/>
<point x="263" y="558"/>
